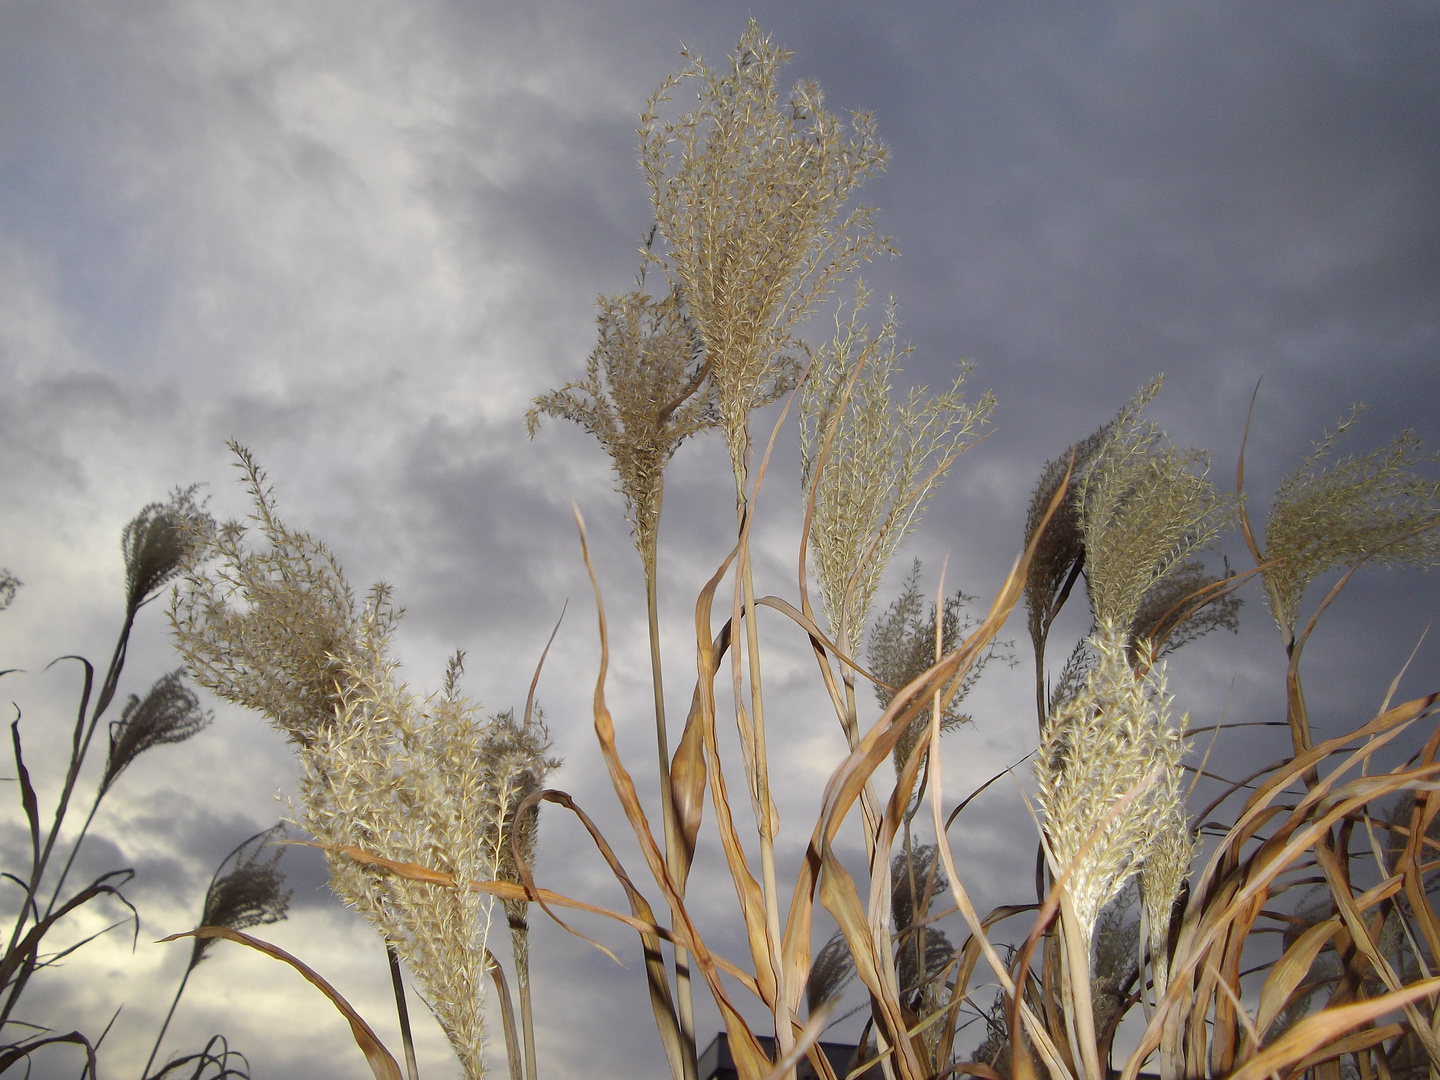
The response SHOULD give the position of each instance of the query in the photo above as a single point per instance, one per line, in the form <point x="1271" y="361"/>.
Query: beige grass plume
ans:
<point x="747" y="190"/>
<point x="413" y="780"/>
<point x="901" y="648"/>
<point x="643" y="394"/>
<point x="1138" y="512"/>
<point x="1145" y="506"/>
<point x="872" y="462"/>
<point x="1098" y="746"/>
<point x="1332" y="512"/>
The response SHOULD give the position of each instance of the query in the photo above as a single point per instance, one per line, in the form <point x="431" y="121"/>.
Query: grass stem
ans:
<point x="402" y="1011"/>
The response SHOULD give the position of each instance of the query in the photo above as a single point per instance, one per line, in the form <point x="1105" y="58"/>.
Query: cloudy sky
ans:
<point x="360" y="237"/>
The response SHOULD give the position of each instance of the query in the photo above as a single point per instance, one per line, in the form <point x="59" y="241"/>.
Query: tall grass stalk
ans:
<point x="643" y="395"/>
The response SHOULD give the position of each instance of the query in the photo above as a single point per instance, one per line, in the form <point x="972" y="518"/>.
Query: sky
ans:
<point x="360" y="237"/>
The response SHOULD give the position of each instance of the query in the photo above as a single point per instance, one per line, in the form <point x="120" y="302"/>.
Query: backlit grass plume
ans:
<point x="747" y="190"/>
<point x="410" y="780"/>
<point x="1145" y="506"/>
<point x="1184" y="606"/>
<point x="871" y="462"/>
<point x="1332" y="512"/>
<point x="1114" y="740"/>
<point x="1096" y="748"/>
<point x="901" y="648"/>
<point x="643" y="394"/>
<point x="269" y="628"/>
<point x="1136" y="512"/>
<point x="168" y="713"/>
<point x="518" y="753"/>
<point x="1059" y="556"/>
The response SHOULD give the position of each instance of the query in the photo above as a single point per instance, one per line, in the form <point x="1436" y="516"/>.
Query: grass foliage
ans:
<point x="428" y="808"/>
<point x="157" y="545"/>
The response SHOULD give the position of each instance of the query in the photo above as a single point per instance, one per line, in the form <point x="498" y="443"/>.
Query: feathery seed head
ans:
<point x="250" y="894"/>
<point x="159" y="542"/>
<point x="169" y="713"/>
<point x="1330" y="513"/>
<point x="269" y="629"/>
<point x="1181" y="607"/>
<point x="1094" y="749"/>
<point x="405" y="780"/>
<point x="830" y="971"/>
<point x="423" y="782"/>
<point x="747" y="191"/>
<point x="902" y="648"/>
<point x="1144" y="507"/>
<point x="1136" y="510"/>
<point x="518" y="765"/>
<point x="643" y="394"/>
<point x="924" y="954"/>
<point x="1165" y="871"/>
<point x="1060" y="551"/>
<point x="9" y="585"/>
<point x="884" y="462"/>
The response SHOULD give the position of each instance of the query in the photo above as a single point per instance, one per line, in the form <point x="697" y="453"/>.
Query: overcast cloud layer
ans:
<point x="360" y="237"/>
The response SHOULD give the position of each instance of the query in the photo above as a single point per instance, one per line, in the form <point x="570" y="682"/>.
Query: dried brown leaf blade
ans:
<point x="381" y="1063"/>
<point x="1324" y="1028"/>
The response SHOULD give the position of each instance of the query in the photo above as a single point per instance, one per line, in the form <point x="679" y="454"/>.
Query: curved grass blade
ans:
<point x="750" y="1059"/>
<point x="687" y="770"/>
<point x="508" y="890"/>
<point x="27" y="794"/>
<point x="382" y="1064"/>
<point x="1290" y="970"/>
<point x="661" y="1002"/>
<point x="10" y="1055"/>
<point x="1324" y="1028"/>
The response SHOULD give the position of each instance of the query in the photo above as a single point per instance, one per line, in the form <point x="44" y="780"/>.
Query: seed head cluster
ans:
<point x="747" y="190"/>
<point x="1145" y="506"/>
<point x="871" y="463"/>
<point x="247" y="890"/>
<point x="421" y="781"/>
<point x="1112" y="737"/>
<point x="168" y="713"/>
<point x="1330" y="512"/>
<point x="901" y="648"/>
<point x="643" y="394"/>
